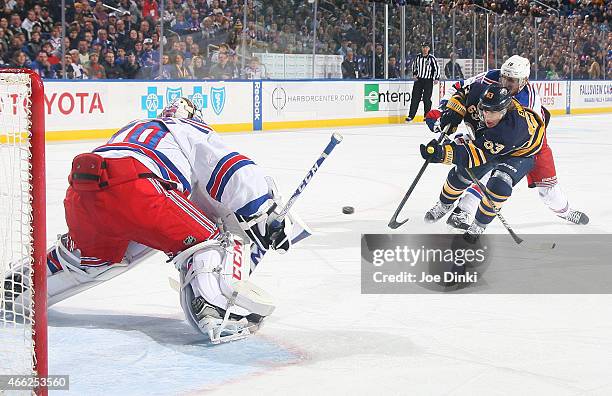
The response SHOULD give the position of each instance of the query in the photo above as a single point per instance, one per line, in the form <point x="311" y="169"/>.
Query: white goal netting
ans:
<point x="16" y="241"/>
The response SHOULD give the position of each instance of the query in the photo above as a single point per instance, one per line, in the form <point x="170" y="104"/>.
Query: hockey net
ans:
<point x="23" y="324"/>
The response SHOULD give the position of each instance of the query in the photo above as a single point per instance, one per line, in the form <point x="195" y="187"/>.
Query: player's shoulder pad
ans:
<point x="512" y="129"/>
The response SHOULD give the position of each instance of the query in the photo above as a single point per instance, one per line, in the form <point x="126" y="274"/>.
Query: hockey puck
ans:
<point x="348" y="210"/>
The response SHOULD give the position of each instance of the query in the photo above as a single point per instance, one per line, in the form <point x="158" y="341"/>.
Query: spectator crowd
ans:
<point x="122" y="39"/>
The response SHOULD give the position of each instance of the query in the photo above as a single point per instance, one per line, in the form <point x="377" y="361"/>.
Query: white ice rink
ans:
<point x="128" y="337"/>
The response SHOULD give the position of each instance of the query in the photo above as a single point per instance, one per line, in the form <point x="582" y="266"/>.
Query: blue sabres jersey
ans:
<point x="528" y="97"/>
<point x="519" y="134"/>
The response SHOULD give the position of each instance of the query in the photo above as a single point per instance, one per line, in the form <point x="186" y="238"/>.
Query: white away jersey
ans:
<point x="190" y="154"/>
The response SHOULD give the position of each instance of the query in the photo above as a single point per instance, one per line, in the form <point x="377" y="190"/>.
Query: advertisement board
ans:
<point x="553" y="95"/>
<point x="95" y="109"/>
<point x="300" y="101"/>
<point x="295" y="104"/>
<point x="591" y="97"/>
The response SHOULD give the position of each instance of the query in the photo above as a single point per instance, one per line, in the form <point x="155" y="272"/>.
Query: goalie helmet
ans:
<point x="182" y="108"/>
<point x="517" y="69"/>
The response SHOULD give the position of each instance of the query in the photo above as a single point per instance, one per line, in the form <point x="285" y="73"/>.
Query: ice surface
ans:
<point x="128" y="337"/>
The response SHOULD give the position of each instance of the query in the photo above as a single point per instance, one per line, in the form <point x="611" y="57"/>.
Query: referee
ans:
<point x="425" y="71"/>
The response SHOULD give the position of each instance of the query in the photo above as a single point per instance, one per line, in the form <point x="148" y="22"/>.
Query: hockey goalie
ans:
<point x="171" y="184"/>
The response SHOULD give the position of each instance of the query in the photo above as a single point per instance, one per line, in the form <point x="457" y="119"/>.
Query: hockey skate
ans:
<point x="223" y="326"/>
<point x="459" y="220"/>
<point x="576" y="217"/>
<point x="474" y="232"/>
<point x="437" y="212"/>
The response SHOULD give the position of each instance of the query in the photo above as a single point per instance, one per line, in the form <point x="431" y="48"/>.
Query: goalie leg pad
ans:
<point x="217" y="271"/>
<point x="66" y="276"/>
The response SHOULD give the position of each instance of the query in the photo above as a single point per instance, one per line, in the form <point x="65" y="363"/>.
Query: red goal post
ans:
<point x="23" y="223"/>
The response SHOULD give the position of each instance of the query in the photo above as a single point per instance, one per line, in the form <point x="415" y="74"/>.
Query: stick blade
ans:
<point x="538" y="247"/>
<point x="394" y="224"/>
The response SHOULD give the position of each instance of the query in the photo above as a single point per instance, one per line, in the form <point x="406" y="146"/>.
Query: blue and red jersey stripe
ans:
<point x="53" y="262"/>
<point x="223" y="172"/>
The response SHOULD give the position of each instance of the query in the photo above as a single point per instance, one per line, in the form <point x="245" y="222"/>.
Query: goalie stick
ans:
<point x="215" y="336"/>
<point x="275" y="223"/>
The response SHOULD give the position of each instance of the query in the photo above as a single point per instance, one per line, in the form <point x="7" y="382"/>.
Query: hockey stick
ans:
<point x="501" y="218"/>
<point x="275" y="223"/>
<point x="394" y="223"/>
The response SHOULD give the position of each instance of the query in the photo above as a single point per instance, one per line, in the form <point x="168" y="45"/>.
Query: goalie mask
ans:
<point x="182" y="108"/>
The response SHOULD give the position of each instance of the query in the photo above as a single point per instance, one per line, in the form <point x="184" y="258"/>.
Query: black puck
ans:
<point x="348" y="210"/>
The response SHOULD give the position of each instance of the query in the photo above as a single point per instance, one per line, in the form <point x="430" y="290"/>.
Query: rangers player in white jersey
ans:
<point x="514" y="75"/>
<point x="171" y="184"/>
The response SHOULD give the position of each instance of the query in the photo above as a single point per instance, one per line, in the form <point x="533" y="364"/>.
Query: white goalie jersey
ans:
<point x="191" y="155"/>
<point x="223" y="183"/>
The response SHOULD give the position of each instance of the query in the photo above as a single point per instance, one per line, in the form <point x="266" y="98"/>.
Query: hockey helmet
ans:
<point x="515" y="73"/>
<point x="497" y="99"/>
<point x="182" y="108"/>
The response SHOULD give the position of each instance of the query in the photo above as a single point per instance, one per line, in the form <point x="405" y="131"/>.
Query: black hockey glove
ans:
<point x="451" y="119"/>
<point x="434" y="152"/>
<point x="453" y="113"/>
<point x="278" y="237"/>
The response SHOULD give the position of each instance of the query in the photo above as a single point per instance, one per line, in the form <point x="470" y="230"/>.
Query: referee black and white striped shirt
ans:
<point x="426" y="67"/>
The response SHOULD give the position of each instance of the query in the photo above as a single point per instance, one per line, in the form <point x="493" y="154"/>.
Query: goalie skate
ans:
<point x="223" y="326"/>
<point x="10" y="303"/>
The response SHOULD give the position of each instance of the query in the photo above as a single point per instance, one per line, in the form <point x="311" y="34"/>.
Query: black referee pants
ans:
<point x="422" y="88"/>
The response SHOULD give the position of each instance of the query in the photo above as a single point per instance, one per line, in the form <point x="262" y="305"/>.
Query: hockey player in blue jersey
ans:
<point x="513" y="75"/>
<point x="507" y="136"/>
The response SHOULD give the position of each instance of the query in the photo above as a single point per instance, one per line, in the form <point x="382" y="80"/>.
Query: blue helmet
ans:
<point x="495" y="98"/>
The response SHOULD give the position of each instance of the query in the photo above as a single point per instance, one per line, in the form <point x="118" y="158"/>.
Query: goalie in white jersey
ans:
<point x="171" y="184"/>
